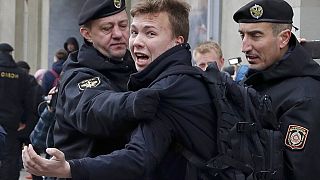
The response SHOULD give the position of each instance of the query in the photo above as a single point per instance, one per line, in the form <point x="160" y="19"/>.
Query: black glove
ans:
<point x="145" y="103"/>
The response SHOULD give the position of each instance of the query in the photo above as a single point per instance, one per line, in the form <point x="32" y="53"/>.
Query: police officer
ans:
<point x="281" y="68"/>
<point x="15" y="102"/>
<point x="84" y="126"/>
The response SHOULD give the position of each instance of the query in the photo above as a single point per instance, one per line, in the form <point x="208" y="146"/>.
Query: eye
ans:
<point x="133" y="33"/>
<point x="106" y="29"/>
<point x="241" y="36"/>
<point x="123" y="26"/>
<point x="151" y="34"/>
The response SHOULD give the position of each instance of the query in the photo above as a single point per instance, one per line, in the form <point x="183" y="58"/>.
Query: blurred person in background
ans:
<point x="208" y="52"/>
<point x="71" y="45"/>
<point x="15" y="108"/>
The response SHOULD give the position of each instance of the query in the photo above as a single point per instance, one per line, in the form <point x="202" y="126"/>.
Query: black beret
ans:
<point x="274" y="11"/>
<point x="95" y="9"/>
<point x="5" y="47"/>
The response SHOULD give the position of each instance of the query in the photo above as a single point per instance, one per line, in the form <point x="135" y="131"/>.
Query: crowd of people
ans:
<point x="119" y="106"/>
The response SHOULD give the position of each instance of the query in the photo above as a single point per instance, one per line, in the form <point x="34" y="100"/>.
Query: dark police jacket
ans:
<point x="184" y="115"/>
<point x="294" y="85"/>
<point x="14" y="94"/>
<point x="84" y="126"/>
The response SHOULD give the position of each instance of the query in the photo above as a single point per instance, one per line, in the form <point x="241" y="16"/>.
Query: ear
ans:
<point x="85" y="33"/>
<point x="284" y="38"/>
<point x="179" y="40"/>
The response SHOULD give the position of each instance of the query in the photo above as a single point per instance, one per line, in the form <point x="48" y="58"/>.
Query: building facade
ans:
<point x="37" y="28"/>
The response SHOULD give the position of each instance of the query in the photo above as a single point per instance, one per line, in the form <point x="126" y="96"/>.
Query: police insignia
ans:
<point x="89" y="83"/>
<point x="256" y="11"/>
<point x="296" y="137"/>
<point x="117" y="3"/>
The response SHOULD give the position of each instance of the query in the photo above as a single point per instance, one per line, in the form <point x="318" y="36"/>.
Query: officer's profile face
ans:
<point x="202" y="59"/>
<point x="262" y="48"/>
<point x="109" y="35"/>
<point x="150" y="36"/>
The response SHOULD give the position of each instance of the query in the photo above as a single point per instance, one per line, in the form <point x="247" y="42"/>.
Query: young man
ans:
<point x="281" y="68"/>
<point x="159" y="31"/>
<point x="208" y="52"/>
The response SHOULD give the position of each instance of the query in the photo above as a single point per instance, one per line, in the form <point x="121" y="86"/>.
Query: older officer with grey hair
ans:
<point x="281" y="68"/>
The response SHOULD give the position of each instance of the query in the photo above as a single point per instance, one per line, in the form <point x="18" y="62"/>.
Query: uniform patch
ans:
<point x="256" y="11"/>
<point x="117" y="3"/>
<point x="89" y="83"/>
<point x="296" y="137"/>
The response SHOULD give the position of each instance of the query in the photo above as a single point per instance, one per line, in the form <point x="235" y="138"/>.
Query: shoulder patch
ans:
<point x="296" y="137"/>
<point x="89" y="83"/>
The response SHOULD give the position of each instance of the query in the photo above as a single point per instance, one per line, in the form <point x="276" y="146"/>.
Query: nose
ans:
<point x="137" y="41"/>
<point x="246" y="44"/>
<point x="117" y="32"/>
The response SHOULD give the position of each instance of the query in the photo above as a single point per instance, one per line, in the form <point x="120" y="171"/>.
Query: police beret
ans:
<point x="95" y="9"/>
<point x="274" y="11"/>
<point x="5" y="47"/>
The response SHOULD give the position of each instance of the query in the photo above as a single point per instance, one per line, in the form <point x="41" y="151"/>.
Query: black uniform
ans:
<point x="15" y="102"/>
<point x="184" y="115"/>
<point x="84" y="126"/>
<point x="294" y="85"/>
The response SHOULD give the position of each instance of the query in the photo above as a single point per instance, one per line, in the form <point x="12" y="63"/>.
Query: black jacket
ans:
<point x="294" y="85"/>
<point x="15" y="94"/>
<point x="184" y="115"/>
<point x="84" y="126"/>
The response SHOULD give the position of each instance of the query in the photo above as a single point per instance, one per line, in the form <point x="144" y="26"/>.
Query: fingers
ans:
<point x="32" y="162"/>
<point x="28" y="163"/>
<point x="56" y="153"/>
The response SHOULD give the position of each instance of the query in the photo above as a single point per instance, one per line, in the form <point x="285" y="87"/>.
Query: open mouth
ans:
<point x="141" y="58"/>
<point x="252" y="58"/>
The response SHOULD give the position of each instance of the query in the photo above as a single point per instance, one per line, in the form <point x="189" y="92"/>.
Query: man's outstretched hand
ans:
<point x="57" y="166"/>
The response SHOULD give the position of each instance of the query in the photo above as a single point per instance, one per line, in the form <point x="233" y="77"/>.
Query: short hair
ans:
<point x="206" y="47"/>
<point x="277" y="28"/>
<point x="61" y="54"/>
<point x="178" y="12"/>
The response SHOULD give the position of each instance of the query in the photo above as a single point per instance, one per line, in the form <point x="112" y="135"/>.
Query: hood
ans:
<point x="178" y="55"/>
<point x="295" y="63"/>
<point x="91" y="58"/>
<point x="71" y="40"/>
<point x="116" y="71"/>
<point x="6" y="60"/>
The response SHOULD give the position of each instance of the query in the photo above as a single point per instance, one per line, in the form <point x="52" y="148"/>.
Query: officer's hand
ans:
<point x="145" y="103"/>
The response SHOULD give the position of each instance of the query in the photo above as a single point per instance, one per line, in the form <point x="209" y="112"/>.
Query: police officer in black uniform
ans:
<point x="84" y="126"/>
<point x="281" y="68"/>
<point x="15" y="102"/>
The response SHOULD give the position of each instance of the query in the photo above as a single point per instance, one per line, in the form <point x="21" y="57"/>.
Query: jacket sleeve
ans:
<point x="100" y="111"/>
<point x="301" y="129"/>
<point x="148" y="145"/>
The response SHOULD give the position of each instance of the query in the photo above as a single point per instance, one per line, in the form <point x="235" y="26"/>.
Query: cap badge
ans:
<point x="117" y="3"/>
<point x="256" y="11"/>
<point x="296" y="137"/>
<point x="89" y="83"/>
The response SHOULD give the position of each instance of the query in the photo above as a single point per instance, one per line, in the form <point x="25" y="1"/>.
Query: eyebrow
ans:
<point x="251" y="32"/>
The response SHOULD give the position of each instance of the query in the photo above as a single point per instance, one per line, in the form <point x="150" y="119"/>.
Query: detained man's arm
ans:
<point x="57" y="166"/>
<point x="147" y="147"/>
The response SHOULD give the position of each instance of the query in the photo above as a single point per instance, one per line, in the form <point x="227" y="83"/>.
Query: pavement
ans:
<point x="23" y="175"/>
